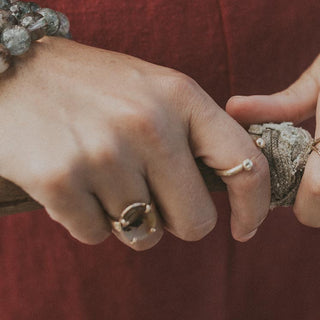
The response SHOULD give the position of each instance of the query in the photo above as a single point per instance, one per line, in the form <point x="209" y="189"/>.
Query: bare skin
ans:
<point x="297" y="103"/>
<point x="87" y="132"/>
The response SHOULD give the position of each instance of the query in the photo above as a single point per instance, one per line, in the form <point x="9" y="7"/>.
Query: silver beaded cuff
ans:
<point x="23" y="22"/>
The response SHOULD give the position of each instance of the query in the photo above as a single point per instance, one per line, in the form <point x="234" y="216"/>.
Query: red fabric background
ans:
<point x="229" y="47"/>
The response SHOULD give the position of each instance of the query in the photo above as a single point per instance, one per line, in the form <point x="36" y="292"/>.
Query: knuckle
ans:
<point x="104" y="154"/>
<point x="55" y="184"/>
<point x="177" y="83"/>
<point x="142" y="121"/>
<point x="187" y="98"/>
<point x="56" y="180"/>
<point x="148" y="125"/>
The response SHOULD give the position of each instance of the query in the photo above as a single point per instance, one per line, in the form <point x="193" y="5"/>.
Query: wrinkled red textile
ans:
<point x="229" y="47"/>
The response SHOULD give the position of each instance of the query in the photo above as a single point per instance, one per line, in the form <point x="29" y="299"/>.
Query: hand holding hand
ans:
<point x="86" y="132"/>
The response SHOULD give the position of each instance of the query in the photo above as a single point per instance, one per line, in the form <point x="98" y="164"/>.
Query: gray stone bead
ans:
<point x="6" y="19"/>
<point x="4" y="4"/>
<point x="20" y="8"/>
<point x="64" y="29"/>
<point x="5" y="58"/>
<point x="29" y="21"/>
<point x="16" y="39"/>
<point x="52" y="19"/>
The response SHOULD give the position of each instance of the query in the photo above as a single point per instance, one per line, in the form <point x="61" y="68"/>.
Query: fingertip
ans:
<point x="193" y="232"/>
<point x="245" y="237"/>
<point x="91" y="239"/>
<point x="203" y="230"/>
<point x="306" y="219"/>
<point x="243" y="109"/>
<point x="234" y="105"/>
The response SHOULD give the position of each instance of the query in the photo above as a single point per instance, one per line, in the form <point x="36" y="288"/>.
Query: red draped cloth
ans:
<point x="229" y="47"/>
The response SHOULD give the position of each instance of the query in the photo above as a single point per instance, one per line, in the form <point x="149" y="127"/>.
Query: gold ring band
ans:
<point x="246" y="165"/>
<point x="314" y="146"/>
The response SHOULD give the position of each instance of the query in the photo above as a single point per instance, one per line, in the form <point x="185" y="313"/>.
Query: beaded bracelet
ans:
<point x="23" y="22"/>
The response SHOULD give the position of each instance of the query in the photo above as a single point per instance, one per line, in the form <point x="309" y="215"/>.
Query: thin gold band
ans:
<point x="246" y="165"/>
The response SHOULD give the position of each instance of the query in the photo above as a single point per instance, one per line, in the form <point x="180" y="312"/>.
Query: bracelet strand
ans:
<point x="21" y="23"/>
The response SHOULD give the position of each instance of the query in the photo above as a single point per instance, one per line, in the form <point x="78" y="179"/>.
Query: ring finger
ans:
<point x="118" y="191"/>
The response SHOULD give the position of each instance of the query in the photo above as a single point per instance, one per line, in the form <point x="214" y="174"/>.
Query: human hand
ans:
<point x="86" y="132"/>
<point x="295" y="104"/>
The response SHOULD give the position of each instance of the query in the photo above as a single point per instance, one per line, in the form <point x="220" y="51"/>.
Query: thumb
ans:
<point x="295" y="104"/>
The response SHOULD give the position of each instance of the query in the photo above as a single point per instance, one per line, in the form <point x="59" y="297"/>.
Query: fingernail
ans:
<point x="238" y="97"/>
<point x="249" y="235"/>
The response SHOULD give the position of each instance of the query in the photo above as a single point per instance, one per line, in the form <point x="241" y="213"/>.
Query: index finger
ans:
<point x="223" y="144"/>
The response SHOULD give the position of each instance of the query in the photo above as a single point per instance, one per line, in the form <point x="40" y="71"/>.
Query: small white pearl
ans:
<point x="247" y="164"/>
<point x="260" y="143"/>
<point x="148" y="208"/>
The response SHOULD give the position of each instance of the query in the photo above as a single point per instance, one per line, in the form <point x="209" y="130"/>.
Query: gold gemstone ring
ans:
<point x="136" y="222"/>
